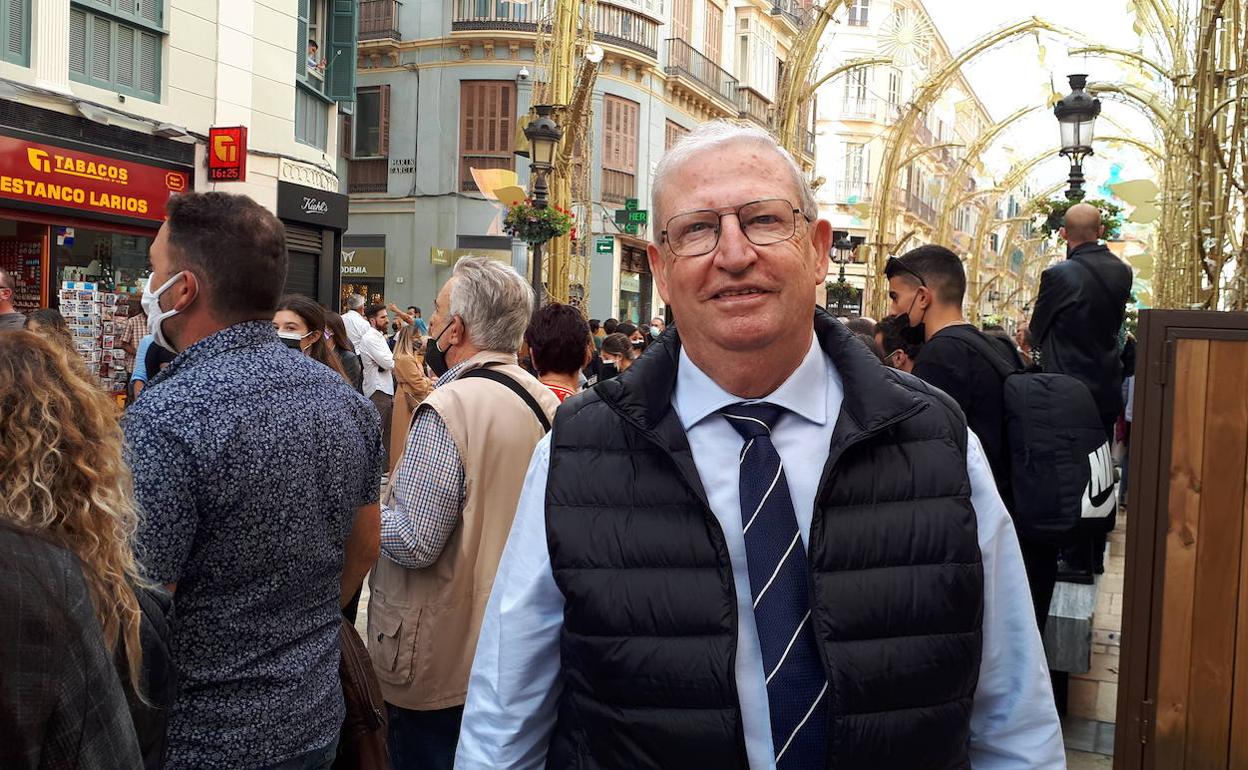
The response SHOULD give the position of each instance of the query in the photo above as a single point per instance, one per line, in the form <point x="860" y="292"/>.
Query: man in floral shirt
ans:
<point x="258" y="470"/>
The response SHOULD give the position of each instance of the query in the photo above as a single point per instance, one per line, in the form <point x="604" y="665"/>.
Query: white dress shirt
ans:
<point x="515" y="684"/>
<point x="357" y="326"/>
<point x="378" y="363"/>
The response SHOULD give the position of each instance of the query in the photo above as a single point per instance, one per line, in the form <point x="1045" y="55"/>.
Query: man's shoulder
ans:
<point x="944" y="404"/>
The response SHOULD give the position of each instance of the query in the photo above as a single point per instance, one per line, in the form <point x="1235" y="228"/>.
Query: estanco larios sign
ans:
<point x="56" y="176"/>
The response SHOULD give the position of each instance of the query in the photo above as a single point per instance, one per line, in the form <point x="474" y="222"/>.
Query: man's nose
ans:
<point x="735" y="252"/>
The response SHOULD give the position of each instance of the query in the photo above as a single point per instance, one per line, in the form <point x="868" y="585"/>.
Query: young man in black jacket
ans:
<point x="926" y="288"/>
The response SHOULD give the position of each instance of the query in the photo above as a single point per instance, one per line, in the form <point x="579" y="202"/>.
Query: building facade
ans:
<point x="106" y="112"/>
<point x="441" y="88"/>
<point x="856" y="111"/>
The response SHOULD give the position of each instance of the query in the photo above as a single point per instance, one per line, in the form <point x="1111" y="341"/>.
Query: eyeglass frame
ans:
<point x="895" y="264"/>
<point x="719" y="228"/>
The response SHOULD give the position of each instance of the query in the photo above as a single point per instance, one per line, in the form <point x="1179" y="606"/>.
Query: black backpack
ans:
<point x="1061" y="468"/>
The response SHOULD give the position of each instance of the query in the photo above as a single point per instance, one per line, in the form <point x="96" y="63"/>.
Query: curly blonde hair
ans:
<point x="62" y="475"/>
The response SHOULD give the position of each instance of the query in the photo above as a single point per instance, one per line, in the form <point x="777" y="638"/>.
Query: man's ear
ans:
<point x="1061" y="233"/>
<point x="186" y="290"/>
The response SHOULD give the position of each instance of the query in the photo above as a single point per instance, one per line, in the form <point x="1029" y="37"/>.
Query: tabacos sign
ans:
<point x="44" y="174"/>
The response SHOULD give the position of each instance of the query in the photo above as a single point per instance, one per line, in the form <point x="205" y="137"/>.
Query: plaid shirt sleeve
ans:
<point x="427" y="498"/>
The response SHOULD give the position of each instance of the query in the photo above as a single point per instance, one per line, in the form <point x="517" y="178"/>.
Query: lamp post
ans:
<point x="1076" y="115"/>
<point x="843" y="249"/>
<point x="543" y="134"/>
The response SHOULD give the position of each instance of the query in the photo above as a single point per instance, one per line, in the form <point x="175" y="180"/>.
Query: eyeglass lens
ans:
<point x="765" y="222"/>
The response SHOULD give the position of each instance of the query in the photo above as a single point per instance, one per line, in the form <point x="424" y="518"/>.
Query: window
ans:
<point x="856" y="90"/>
<point x="673" y="134"/>
<point x="714" y="31"/>
<point x="894" y="87"/>
<point x="487" y="127"/>
<point x="15" y="31"/>
<point x="372" y="122"/>
<point x="682" y="13"/>
<point x="311" y="117"/>
<point x="620" y="123"/>
<point x="855" y="164"/>
<point x="327" y="39"/>
<point x="858" y="12"/>
<point x="118" y="48"/>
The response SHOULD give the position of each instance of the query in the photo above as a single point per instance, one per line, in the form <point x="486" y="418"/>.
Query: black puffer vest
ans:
<point x="650" y="626"/>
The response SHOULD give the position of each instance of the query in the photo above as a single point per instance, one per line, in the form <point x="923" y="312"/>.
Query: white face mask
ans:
<point x="155" y="316"/>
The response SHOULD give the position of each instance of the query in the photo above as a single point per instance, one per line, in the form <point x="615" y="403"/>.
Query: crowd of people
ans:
<point x="760" y="538"/>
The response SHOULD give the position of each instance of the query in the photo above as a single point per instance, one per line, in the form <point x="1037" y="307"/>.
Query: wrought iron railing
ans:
<point x="492" y="14"/>
<point x="852" y="192"/>
<point x="920" y="208"/>
<point x="791" y="10"/>
<point x="625" y="28"/>
<point x="365" y="176"/>
<point x="379" y="20"/>
<point x="683" y="60"/>
<point x="861" y="109"/>
<point x="754" y="106"/>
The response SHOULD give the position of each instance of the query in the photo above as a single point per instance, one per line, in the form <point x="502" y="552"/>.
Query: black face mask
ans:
<point x="607" y="371"/>
<point x="916" y="333"/>
<point x="435" y="357"/>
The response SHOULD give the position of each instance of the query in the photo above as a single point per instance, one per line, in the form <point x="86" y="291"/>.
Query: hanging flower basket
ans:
<point x="533" y="225"/>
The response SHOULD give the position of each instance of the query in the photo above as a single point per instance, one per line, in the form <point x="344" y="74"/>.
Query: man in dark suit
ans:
<point x="1077" y="329"/>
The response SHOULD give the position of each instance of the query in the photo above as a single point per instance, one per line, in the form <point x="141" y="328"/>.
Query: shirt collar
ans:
<point x="239" y="335"/>
<point x="450" y="374"/>
<point x="804" y="393"/>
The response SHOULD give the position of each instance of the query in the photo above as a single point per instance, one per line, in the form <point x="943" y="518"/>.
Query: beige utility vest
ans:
<point x="423" y="623"/>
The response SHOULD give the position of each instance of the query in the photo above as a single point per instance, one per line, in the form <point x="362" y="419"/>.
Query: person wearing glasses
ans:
<point x="798" y="557"/>
<point x="9" y="317"/>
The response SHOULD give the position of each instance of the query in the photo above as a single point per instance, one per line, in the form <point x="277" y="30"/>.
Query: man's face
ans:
<point x="658" y="323"/>
<point x="413" y="312"/>
<point x="178" y="296"/>
<point x="380" y="321"/>
<point x="905" y="295"/>
<point x="740" y="296"/>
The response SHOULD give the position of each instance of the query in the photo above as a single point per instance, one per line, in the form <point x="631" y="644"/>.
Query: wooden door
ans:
<point x="1183" y="699"/>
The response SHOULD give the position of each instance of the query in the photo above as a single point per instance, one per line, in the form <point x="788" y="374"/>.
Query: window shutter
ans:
<point x="101" y="48"/>
<point x="149" y="63"/>
<point x="383" y="122"/>
<point x="632" y="112"/>
<point x="149" y="10"/>
<point x="301" y="45"/>
<point x="77" y="42"/>
<point x="347" y="138"/>
<point x="125" y="56"/>
<point x="340" y="72"/>
<point x="17" y="31"/>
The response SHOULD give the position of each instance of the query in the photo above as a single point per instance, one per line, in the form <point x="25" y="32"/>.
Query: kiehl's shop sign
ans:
<point x="55" y="176"/>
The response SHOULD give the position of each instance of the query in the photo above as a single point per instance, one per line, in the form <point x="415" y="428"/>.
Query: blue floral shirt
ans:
<point x="250" y="461"/>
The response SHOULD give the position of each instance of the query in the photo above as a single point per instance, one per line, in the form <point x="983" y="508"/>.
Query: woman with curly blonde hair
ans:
<point x="62" y="476"/>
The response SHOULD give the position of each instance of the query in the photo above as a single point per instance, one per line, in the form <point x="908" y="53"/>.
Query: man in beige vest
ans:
<point x="447" y="515"/>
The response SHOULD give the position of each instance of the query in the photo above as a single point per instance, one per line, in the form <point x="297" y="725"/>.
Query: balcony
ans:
<point x="852" y="192"/>
<point x="368" y="176"/>
<point x="481" y="162"/>
<point x="924" y="211"/>
<point x="791" y="11"/>
<point x="379" y="20"/>
<point x="492" y="15"/>
<point x="859" y="109"/>
<point x="614" y="25"/>
<point x="618" y="186"/>
<point x="710" y="83"/>
<point x="756" y="107"/>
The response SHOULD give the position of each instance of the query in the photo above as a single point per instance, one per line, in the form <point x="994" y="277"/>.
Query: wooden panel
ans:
<point x="1239" y="699"/>
<point x="1218" y="554"/>
<point x="714" y="31"/>
<point x="1187" y="445"/>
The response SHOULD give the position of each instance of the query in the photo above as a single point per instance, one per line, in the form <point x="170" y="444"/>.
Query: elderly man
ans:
<point x="1077" y="329"/>
<point x="446" y="518"/>
<point x="357" y="325"/>
<point x="758" y="547"/>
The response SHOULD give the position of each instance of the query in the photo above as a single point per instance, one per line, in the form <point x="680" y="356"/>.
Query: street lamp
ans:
<point x="843" y="249"/>
<point x="543" y="134"/>
<point x="1076" y="115"/>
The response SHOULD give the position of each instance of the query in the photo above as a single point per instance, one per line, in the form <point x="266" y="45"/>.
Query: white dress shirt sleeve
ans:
<point x="514" y="688"/>
<point x="374" y="346"/>
<point x="1014" y="723"/>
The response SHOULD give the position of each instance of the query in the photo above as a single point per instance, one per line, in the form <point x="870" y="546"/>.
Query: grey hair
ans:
<point x="494" y="301"/>
<point x="355" y="302"/>
<point x="713" y="135"/>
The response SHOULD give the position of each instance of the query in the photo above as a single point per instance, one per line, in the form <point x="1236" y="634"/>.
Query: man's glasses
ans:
<point x="894" y="265"/>
<point x="695" y="233"/>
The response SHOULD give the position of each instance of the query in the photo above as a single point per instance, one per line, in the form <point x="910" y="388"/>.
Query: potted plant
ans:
<point x="1053" y="212"/>
<point x="537" y="225"/>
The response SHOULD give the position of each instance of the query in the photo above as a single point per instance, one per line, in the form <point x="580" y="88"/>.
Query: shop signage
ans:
<point x="311" y="206"/>
<point x="364" y="262"/>
<point x="631" y="218"/>
<point x="604" y="244"/>
<point x="444" y="257"/>
<point x="47" y="175"/>
<point x="402" y="166"/>
<point x="308" y="176"/>
<point x="227" y="154"/>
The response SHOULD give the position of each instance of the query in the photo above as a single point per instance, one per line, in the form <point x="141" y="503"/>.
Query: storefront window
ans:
<point x="117" y="262"/>
<point x="630" y="297"/>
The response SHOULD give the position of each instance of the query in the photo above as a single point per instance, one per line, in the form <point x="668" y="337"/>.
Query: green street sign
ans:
<point x="630" y="204"/>
<point x="604" y="245"/>
<point x="630" y="228"/>
<point x="640" y="217"/>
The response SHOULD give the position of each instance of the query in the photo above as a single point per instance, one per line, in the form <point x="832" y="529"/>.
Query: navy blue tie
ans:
<point x="779" y="582"/>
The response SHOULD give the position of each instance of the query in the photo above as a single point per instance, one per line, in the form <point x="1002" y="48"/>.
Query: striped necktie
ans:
<point x="779" y="582"/>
